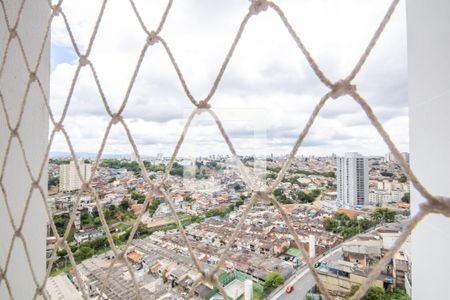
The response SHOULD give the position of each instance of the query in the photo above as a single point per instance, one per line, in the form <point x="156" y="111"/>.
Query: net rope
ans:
<point x="433" y="204"/>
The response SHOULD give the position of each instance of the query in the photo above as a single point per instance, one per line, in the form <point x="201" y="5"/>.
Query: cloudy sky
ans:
<point x="268" y="89"/>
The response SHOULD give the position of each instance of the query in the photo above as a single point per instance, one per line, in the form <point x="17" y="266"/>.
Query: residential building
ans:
<point x="69" y="179"/>
<point x="352" y="179"/>
<point x="60" y="287"/>
<point x="389" y="157"/>
<point x="339" y="276"/>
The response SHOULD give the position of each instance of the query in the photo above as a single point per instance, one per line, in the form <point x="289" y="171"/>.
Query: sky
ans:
<point x="266" y="94"/>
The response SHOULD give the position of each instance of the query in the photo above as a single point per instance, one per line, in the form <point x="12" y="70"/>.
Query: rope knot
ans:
<point x="203" y="105"/>
<point x="33" y="76"/>
<point x="425" y="206"/>
<point x="83" y="60"/>
<point x="152" y="38"/>
<point x="121" y="258"/>
<point x="18" y="233"/>
<point x="85" y="187"/>
<point x="209" y="277"/>
<point x="35" y="184"/>
<point x="437" y="204"/>
<point x="56" y="10"/>
<point x="14" y="132"/>
<point x="157" y="190"/>
<point x="116" y="118"/>
<point x="341" y="88"/>
<point x="258" y="6"/>
<point x="12" y="33"/>
<point x="40" y="290"/>
<point x="58" y="126"/>
<point x="61" y="243"/>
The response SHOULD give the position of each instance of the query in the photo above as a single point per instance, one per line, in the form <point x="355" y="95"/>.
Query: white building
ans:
<point x="384" y="197"/>
<point x="352" y="176"/>
<point x="391" y="186"/>
<point x="389" y="157"/>
<point x="68" y="176"/>
<point x="379" y="197"/>
<point x="60" y="287"/>
<point x="396" y="196"/>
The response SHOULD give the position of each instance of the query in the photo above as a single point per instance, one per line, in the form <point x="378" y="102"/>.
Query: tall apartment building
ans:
<point x="352" y="175"/>
<point x="389" y="157"/>
<point x="68" y="176"/>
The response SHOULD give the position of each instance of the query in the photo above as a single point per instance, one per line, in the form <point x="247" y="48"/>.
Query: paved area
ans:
<point x="303" y="281"/>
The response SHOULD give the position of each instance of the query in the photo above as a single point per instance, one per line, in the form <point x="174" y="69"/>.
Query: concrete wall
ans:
<point x="34" y="133"/>
<point x="429" y="110"/>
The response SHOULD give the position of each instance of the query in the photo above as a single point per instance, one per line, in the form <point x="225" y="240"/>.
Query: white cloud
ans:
<point x="267" y="73"/>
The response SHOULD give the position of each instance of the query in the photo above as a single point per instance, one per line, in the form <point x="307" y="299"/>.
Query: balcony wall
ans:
<point x="33" y="130"/>
<point x="429" y="110"/>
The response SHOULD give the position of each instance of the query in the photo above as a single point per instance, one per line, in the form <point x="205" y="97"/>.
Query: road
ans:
<point x="303" y="281"/>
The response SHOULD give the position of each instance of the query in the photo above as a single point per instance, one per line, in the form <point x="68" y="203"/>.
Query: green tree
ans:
<point x="222" y="212"/>
<point x="375" y="293"/>
<point x="138" y="197"/>
<point x="353" y="290"/>
<point x="124" y="205"/>
<point x="383" y="214"/>
<point x="196" y="219"/>
<point x="53" y="181"/>
<point x="97" y="221"/>
<point x="398" y="294"/>
<point x="386" y="174"/>
<point x="83" y="253"/>
<point x="294" y="179"/>
<point x="271" y="175"/>
<point x="406" y="198"/>
<point x="345" y="226"/>
<point x="273" y="280"/>
<point x="177" y="170"/>
<point x="278" y="192"/>
<point x="281" y="197"/>
<point x="403" y="178"/>
<point x="378" y="293"/>
<point x="239" y="202"/>
<point x="314" y="194"/>
<point x="99" y="243"/>
<point x="109" y="214"/>
<point x="153" y="206"/>
<point x="188" y="198"/>
<point x="304" y="197"/>
<point x="86" y="218"/>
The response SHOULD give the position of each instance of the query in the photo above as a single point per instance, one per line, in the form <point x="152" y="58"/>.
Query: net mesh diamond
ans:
<point x="155" y="38"/>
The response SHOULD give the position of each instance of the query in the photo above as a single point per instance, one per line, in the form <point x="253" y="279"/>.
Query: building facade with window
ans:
<point x="68" y="176"/>
<point x="352" y="175"/>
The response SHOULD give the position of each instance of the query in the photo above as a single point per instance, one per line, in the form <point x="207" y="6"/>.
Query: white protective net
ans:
<point x="434" y="204"/>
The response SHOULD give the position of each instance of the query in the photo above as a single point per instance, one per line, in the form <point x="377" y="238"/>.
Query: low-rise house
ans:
<point x="339" y="277"/>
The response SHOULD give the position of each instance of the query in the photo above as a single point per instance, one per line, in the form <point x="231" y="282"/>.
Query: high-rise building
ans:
<point x="352" y="174"/>
<point x="389" y="157"/>
<point x="68" y="176"/>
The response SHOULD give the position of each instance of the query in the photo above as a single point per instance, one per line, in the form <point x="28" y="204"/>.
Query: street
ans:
<point x="303" y="281"/>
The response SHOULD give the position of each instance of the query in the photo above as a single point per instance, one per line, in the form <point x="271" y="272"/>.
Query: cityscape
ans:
<point x="224" y="150"/>
<point x="347" y="211"/>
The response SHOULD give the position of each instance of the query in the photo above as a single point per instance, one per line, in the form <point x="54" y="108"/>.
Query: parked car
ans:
<point x="289" y="289"/>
